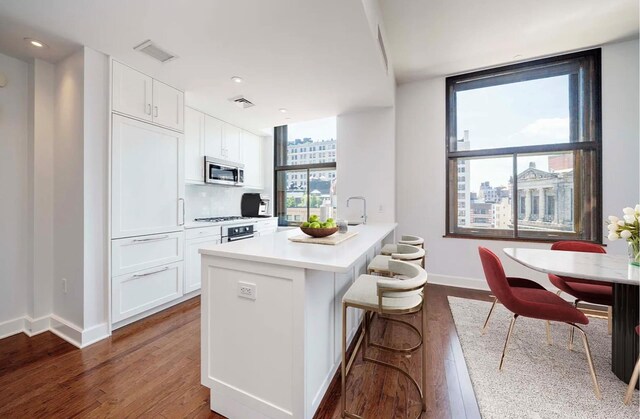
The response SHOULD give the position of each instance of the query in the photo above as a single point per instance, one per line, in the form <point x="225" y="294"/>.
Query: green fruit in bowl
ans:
<point x="314" y="218"/>
<point x="315" y="225"/>
<point x="330" y="221"/>
<point x="306" y="224"/>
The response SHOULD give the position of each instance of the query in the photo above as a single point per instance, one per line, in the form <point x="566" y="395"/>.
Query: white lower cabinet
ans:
<point x="192" y="265"/>
<point x="135" y="293"/>
<point x="265" y="227"/>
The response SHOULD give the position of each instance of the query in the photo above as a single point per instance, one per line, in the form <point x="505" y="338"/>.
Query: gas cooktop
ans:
<point x="220" y="219"/>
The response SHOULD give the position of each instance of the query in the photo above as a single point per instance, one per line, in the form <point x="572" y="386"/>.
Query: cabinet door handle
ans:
<point x="151" y="273"/>
<point x="182" y="200"/>
<point x="155" y="111"/>
<point x="148" y="110"/>
<point x="151" y="239"/>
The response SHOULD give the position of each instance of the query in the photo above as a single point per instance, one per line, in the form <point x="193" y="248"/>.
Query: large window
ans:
<point x="305" y="171"/>
<point x="523" y="150"/>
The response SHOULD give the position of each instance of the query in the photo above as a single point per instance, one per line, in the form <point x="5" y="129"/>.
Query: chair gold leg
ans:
<point x="343" y="399"/>
<point x="549" y="341"/>
<point x="610" y="319"/>
<point x="506" y="342"/>
<point x="594" y="378"/>
<point x="632" y="383"/>
<point x="424" y="355"/>
<point x="484" y="326"/>
<point x="572" y="330"/>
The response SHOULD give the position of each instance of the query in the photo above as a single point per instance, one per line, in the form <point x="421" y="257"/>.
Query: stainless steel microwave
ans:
<point x="223" y="172"/>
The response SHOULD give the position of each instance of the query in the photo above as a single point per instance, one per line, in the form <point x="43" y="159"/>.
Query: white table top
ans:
<point x="595" y="266"/>
<point x="278" y="249"/>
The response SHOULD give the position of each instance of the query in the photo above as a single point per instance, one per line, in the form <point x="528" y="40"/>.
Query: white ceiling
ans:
<point x="314" y="58"/>
<point x="441" y="37"/>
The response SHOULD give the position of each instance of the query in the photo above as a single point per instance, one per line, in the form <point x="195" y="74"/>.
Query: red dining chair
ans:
<point x="595" y="292"/>
<point x="634" y="377"/>
<point x="534" y="303"/>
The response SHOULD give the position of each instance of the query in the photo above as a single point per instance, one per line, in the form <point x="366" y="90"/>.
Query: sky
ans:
<point x="526" y="113"/>
<point x="318" y="129"/>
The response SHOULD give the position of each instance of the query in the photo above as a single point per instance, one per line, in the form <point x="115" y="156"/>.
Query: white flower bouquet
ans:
<point x="627" y="228"/>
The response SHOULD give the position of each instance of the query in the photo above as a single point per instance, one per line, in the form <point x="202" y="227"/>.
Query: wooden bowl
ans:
<point x="319" y="232"/>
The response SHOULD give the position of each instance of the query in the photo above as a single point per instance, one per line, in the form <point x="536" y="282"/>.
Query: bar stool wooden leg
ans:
<point x="424" y="356"/>
<point x="632" y="383"/>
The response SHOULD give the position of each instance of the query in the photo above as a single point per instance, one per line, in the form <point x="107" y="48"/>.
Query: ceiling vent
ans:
<point x="241" y="102"/>
<point x="154" y="51"/>
<point x="383" y="50"/>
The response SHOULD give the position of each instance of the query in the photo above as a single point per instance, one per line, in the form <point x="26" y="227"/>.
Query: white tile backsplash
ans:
<point x="213" y="200"/>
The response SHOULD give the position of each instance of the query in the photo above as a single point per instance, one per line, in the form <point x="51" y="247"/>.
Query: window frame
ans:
<point x="280" y="133"/>
<point x="590" y="124"/>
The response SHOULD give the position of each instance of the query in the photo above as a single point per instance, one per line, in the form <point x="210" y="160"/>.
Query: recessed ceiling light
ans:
<point x="283" y="110"/>
<point x="36" y="43"/>
<point x="517" y="56"/>
<point x="236" y="79"/>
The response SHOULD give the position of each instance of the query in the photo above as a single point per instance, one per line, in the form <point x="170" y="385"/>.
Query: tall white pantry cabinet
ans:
<point x="147" y="193"/>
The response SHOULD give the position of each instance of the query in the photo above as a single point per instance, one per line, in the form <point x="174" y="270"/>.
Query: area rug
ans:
<point x="537" y="380"/>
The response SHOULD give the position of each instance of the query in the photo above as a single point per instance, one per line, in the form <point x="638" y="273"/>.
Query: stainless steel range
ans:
<point x="232" y="232"/>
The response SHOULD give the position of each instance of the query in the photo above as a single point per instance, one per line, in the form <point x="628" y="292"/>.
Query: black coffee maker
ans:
<point x="254" y="205"/>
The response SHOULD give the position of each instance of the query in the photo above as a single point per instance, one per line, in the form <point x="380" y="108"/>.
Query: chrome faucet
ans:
<point x="364" y="200"/>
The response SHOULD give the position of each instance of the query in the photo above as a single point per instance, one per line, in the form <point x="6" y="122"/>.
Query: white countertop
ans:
<point x="200" y="224"/>
<point x="278" y="249"/>
<point x="595" y="266"/>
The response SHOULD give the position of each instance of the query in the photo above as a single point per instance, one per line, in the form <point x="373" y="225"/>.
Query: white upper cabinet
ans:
<point x="140" y="96"/>
<point x="194" y="145"/>
<point x="213" y="146"/>
<point x="147" y="179"/>
<point x="132" y="92"/>
<point x="168" y="106"/>
<point x="252" y="153"/>
<point x="231" y="143"/>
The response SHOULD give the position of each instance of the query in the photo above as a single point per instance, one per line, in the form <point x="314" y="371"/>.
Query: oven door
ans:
<point x="219" y="173"/>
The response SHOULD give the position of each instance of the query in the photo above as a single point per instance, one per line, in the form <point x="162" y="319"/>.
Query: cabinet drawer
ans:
<point x="138" y="253"/>
<point x="196" y="233"/>
<point x="268" y="224"/>
<point x="141" y="291"/>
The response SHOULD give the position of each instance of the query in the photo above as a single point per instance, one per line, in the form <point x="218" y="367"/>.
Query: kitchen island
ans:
<point x="271" y="319"/>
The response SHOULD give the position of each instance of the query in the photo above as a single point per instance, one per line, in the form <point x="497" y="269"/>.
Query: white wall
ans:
<point x="68" y="190"/>
<point x="365" y="157"/>
<point x="43" y="138"/>
<point x="96" y="192"/>
<point x="620" y="120"/>
<point x="14" y="183"/>
<point x="421" y="168"/>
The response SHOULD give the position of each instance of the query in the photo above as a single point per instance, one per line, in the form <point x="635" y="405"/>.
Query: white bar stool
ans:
<point x="389" y="249"/>
<point x="379" y="295"/>
<point x="380" y="264"/>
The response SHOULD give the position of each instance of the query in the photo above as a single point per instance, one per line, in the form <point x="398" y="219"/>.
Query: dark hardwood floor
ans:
<point x="152" y="369"/>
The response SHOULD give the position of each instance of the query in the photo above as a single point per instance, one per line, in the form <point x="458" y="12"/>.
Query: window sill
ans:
<point x="514" y="239"/>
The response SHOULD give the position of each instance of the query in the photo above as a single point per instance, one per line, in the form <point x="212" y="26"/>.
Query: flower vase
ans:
<point x="634" y="253"/>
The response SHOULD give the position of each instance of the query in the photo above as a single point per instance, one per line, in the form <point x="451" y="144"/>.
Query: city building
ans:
<point x="464" y="190"/>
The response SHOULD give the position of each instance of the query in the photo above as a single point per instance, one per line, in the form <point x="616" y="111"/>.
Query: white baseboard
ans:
<point x="66" y="330"/>
<point x="58" y="326"/>
<point x="34" y="327"/>
<point x="11" y="327"/>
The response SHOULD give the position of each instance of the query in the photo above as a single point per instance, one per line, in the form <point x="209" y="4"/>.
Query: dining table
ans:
<point x="602" y="267"/>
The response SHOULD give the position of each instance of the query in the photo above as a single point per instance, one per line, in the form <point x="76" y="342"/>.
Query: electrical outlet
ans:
<point x="64" y="285"/>
<point x="247" y="290"/>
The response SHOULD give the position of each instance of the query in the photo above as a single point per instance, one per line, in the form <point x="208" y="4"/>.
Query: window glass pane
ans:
<point x="546" y="193"/>
<point x="484" y="193"/>
<point x="531" y="112"/>
<point x="292" y="196"/>
<point x="309" y="142"/>
<point x="322" y="193"/>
